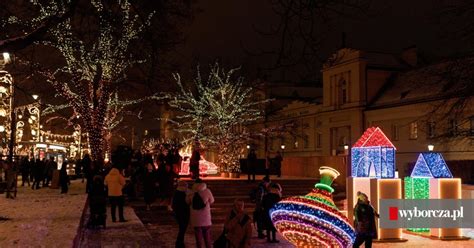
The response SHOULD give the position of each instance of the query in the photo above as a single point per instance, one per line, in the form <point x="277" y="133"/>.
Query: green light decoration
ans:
<point x="417" y="188"/>
<point x="327" y="177"/>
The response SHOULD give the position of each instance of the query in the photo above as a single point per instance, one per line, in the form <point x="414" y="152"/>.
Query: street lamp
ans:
<point x="248" y="147"/>
<point x="430" y="147"/>
<point x="6" y="58"/>
<point x="282" y="147"/>
<point x="347" y="159"/>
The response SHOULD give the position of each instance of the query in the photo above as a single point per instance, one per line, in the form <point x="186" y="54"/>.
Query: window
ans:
<point x="453" y="127"/>
<point x="343" y="86"/>
<point x="414" y="130"/>
<point x="318" y="140"/>
<point x="395" y="132"/>
<point x="306" y="141"/>
<point x="471" y="120"/>
<point x="430" y="129"/>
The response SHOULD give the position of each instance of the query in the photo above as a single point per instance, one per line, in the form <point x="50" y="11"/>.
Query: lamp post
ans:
<point x="347" y="158"/>
<point x="282" y="149"/>
<point x="430" y="147"/>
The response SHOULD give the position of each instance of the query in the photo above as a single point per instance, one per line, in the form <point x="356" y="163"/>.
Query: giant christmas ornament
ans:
<point x="314" y="220"/>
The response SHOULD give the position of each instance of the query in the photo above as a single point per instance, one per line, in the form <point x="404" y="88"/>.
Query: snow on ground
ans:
<point x="42" y="218"/>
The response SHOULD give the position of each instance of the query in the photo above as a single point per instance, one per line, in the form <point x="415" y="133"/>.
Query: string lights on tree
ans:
<point x="215" y="111"/>
<point x="93" y="66"/>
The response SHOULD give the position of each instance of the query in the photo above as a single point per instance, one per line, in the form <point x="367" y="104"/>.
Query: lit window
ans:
<point x="414" y="130"/>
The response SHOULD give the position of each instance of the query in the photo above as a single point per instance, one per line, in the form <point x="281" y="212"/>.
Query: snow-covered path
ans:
<point x="42" y="218"/>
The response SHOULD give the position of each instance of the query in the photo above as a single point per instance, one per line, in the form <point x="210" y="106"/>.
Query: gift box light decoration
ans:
<point x="314" y="220"/>
<point x="373" y="155"/>
<point x="417" y="186"/>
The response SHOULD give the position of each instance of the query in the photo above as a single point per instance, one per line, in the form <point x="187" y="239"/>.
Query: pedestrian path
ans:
<point x="119" y="234"/>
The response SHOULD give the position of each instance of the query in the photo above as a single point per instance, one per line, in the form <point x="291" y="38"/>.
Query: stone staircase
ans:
<point x="161" y="224"/>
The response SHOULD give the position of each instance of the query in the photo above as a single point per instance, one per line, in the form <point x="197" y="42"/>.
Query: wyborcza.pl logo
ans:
<point x="426" y="213"/>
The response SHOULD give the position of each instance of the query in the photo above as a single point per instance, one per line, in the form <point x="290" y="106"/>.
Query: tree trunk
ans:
<point x="96" y="141"/>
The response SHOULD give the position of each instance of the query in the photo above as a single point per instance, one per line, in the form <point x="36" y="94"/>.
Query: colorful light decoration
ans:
<point x="205" y="167"/>
<point x="373" y="155"/>
<point x="417" y="188"/>
<point x="314" y="220"/>
<point x="431" y="165"/>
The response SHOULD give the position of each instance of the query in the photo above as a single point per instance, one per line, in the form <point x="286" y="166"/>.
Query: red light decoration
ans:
<point x="373" y="136"/>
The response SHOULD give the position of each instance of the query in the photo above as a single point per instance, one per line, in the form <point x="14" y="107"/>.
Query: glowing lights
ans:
<point x="417" y="188"/>
<point x="205" y="167"/>
<point x="313" y="220"/>
<point x="431" y="165"/>
<point x="373" y="155"/>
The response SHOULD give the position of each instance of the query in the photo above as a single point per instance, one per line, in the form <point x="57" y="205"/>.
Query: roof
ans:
<point x="436" y="81"/>
<point x="373" y="136"/>
<point x="374" y="59"/>
<point x="431" y="165"/>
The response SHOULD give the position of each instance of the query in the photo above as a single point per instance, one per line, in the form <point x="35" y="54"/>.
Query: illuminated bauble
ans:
<point x="314" y="220"/>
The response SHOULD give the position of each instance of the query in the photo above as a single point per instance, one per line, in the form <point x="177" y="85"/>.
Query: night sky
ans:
<point x="223" y="28"/>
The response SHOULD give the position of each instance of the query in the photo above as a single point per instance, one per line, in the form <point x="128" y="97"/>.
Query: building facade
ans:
<point x="364" y="89"/>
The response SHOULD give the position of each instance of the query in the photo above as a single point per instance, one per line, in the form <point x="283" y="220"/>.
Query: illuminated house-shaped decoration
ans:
<point x="417" y="186"/>
<point x="373" y="155"/>
<point x="431" y="165"/>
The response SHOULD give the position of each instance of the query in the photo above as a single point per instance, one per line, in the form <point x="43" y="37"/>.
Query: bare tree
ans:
<point x="301" y="30"/>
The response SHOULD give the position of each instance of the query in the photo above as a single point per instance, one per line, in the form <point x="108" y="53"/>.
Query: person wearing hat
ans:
<point x="364" y="221"/>
<point x="269" y="200"/>
<point x="181" y="211"/>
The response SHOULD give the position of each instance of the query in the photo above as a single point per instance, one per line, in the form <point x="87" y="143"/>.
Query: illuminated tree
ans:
<point x="95" y="39"/>
<point x="95" y="66"/>
<point x="216" y="112"/>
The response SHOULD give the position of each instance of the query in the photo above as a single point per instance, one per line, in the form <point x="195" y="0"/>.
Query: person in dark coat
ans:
<point x="262" y="190"/>
<point x="251" y="164"/>
<point x="364" y="221"/>
<point x="98" y="202"/>
<point x="149" y="186"/>
<point x="181" y="211"/>
<point x="194" y="164"/>
<point x="32" y="172"/>
<point x="277" y="162"/>
<point x="25" y="171"/>
<point x="269" y="200"/>
<point x="48" y="172"/>
<point x="64" y="179"/>
<point x="38" y="173"/>
<point x="87" y="170"/>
